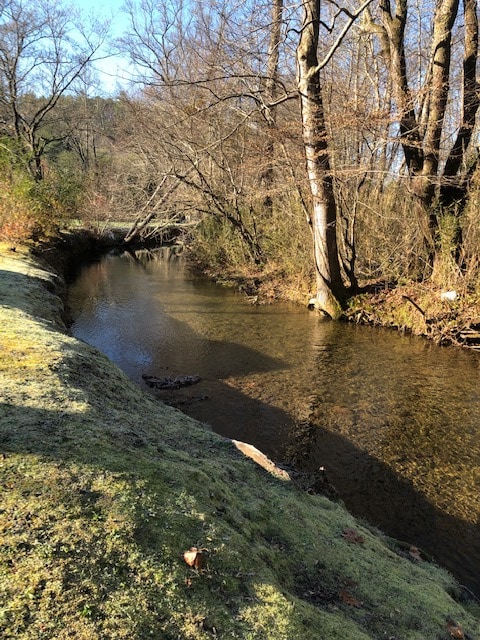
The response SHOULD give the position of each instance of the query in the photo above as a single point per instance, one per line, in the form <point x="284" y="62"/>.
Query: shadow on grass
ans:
<point x="34" y="295"/>
<point x="118" y="432"/>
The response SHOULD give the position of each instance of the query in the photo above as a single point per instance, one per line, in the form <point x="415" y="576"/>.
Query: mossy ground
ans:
<point x="104" y="488"/>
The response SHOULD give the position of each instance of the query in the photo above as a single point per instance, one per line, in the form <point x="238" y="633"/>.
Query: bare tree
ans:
<point x="210" y="91"/>
<point x="269" y="108"/>
<point x="437" y="168"/>
<point x="214" y="78"/>
<point x="43" y="52"/>
<point x="330" y="289"/>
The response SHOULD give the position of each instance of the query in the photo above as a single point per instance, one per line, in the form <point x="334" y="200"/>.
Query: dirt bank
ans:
<point x="104" y="490"/>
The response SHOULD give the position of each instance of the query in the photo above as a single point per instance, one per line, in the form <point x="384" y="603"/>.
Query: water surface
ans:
<point x="394" y="419"/>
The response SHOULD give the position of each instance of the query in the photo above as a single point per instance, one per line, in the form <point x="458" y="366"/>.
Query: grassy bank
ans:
<point x="104" y="489"/>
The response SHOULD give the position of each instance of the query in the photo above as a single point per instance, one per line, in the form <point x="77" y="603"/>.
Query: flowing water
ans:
<point x="394" y="420"/>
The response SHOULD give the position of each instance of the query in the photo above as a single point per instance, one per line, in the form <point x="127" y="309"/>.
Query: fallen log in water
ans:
<point x="170" y="383"/>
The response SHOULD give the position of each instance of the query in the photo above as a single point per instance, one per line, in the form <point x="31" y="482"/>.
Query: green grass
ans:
<point x="104" y="489"/>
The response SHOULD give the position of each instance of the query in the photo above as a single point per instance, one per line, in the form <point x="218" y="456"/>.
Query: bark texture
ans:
<point x="330" y="289"/>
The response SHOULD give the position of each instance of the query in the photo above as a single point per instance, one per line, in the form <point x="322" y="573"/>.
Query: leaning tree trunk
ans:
<point x="330" y="289"/>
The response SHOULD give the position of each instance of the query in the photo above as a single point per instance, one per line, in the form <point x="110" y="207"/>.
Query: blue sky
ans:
<point x="105" y="8"/>
<point x="112" y="69"/>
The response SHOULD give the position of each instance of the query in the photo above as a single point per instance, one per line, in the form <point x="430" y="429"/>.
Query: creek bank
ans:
<point x="265" y="285"/>
<point x="419" y="308"/>
<point x="70" y="249"/>
<point x="422" y="309"/>
<point x="105" y="489"/>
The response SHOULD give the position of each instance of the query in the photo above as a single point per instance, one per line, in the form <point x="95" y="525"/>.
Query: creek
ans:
<point x="394" y="419"/>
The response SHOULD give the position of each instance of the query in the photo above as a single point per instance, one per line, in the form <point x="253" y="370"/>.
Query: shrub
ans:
<point x="29" y="209"/>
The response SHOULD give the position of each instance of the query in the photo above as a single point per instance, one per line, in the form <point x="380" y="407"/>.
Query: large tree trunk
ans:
<point x="330" y="289"/>
<point x="454" y="187"/>
<point x="434" y="176"/>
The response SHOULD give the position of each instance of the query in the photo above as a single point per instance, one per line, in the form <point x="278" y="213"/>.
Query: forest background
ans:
<point x="304" y="148"/>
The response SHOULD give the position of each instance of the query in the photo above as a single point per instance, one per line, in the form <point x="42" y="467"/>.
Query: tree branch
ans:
<point x="346" y="28"/>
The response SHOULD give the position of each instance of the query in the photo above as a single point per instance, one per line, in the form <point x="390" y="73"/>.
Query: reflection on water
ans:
<point x="395" y="420"/>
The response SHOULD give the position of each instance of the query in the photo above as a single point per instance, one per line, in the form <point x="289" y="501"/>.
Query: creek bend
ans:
<point x="395" y="420"/>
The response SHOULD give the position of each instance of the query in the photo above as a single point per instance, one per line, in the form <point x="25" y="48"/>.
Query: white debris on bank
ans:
<point x="451" y="296"/>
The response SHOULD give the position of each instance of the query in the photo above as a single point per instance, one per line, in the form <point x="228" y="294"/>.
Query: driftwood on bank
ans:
<point x="470" y="337"/>
<point x="315" y="482"/>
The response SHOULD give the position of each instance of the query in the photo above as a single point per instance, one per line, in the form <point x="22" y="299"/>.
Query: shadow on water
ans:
<point x="227" y="409"/>
<point x="401" y="452"/>
<point x="388" y="417"/>
<point x="372" y="490"/>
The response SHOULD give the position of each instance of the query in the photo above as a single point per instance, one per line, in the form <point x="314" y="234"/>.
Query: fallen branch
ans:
<point x="419" y="309"/>
<point x="170" y="383"/>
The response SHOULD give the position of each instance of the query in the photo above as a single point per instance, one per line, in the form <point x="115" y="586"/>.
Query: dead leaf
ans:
<point x="455" y="630"/>
<point x="195" y="557"/>
<point x="415" y="553"/>
<point x="351" y="535"/>
<point x="347" y="598"/>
